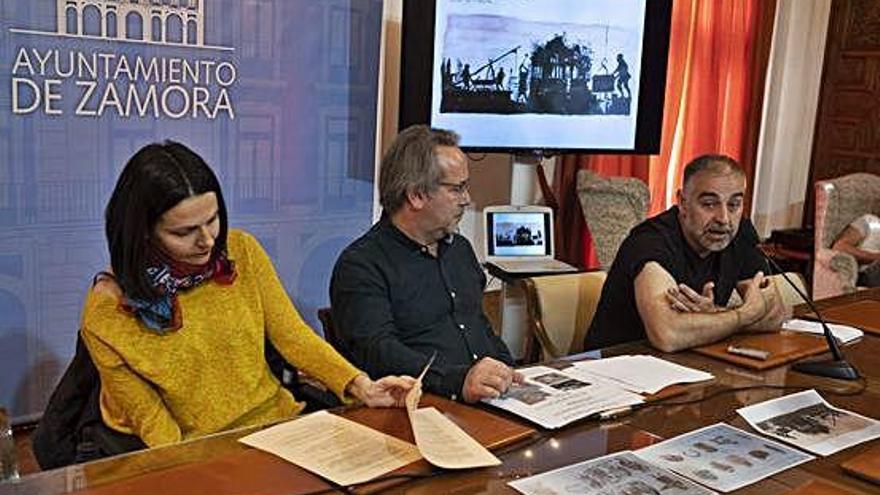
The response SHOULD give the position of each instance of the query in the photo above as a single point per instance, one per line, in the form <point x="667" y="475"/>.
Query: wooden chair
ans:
<point x="560" y="310"/>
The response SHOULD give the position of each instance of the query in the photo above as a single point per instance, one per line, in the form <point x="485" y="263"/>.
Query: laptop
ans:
<point x="519" y="239"/>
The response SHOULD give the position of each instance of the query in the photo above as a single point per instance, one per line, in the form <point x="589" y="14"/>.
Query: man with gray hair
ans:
<point x="673" y="276"/>
<point x="411" y="286"/>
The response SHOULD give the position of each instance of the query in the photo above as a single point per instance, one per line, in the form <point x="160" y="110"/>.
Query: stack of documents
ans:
<point x="640" y="374"/>
<point x="843" y="333"/>
<point x="554" y="398"/>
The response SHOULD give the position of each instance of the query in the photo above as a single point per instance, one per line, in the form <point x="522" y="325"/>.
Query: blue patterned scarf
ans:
<point x="167" y="278"/>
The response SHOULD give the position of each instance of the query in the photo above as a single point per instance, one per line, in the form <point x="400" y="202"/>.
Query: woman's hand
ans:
<point x="389" y="391"/>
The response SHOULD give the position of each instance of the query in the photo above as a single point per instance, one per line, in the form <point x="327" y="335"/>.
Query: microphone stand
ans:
<point x="837" y="367"/>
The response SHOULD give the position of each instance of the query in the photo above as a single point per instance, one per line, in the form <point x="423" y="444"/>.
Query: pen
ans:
<point x="748" y="352"/>
<point x="615" y="413"/>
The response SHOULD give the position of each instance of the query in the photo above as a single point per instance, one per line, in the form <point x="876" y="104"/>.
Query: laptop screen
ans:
<point x="518" y="234"/>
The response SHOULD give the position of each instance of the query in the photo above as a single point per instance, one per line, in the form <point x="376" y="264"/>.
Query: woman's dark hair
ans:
<point x="155" y="179"/>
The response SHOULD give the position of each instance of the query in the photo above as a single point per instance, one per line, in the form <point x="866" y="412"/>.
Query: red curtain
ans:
<point x="718" y="57"/>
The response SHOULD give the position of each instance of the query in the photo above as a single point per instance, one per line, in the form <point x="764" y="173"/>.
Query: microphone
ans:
<point x="837" y="367"/>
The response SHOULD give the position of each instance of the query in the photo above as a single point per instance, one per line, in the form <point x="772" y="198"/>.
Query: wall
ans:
<point x="294" y="149"/>
<point x="492" y="178"/>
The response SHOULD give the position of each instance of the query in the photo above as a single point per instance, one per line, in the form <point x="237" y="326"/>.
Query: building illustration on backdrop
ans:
<point x="156" y="21"/>
<point x="57" y="172"/>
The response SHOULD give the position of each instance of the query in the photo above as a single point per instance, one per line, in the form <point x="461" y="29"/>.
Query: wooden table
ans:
<point x="220" y="465"/>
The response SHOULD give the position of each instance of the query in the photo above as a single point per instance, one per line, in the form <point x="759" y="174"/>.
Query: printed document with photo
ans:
<point x="722" y="457"/>
<point x="553" y="398"/>
<point x="807" y="421"/>
<point x="621" y="473"/>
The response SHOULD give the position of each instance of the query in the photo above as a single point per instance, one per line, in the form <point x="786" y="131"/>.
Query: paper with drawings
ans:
<point x="621" y="473"/>
<point x="807" y="421"/>
<point x="722" y="457"/>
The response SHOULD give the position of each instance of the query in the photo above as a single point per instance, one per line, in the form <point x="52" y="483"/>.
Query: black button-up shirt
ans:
<point x="394" y="304"/>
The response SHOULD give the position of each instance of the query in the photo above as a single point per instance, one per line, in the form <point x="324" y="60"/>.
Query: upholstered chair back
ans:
<point x="612" y="206"/>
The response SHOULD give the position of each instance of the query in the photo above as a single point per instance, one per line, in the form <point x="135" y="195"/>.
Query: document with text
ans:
<point x="442" y="442"/>
<point x="335" y="448"/>
<point x="347" y="453"/>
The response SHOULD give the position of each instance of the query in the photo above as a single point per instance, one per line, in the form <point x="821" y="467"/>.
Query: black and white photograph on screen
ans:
<point x="494" y="63"/>
<point x="509" y="234"/>
<point x="621" y="473"/>
<point x="552" y="58"/>
<point x="807" y="421"/>
<point x="722" y="457"/>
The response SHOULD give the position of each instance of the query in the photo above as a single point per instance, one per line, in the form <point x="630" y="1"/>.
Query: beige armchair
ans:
<point x="612" y="206"/>
<point x="838" y="202"/>
<point x="560" y="310"/>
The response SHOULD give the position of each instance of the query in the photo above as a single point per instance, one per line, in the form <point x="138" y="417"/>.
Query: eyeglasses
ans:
<point x="459" y="189"/>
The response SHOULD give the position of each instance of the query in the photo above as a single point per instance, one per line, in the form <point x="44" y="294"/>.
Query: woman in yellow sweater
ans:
<point x="177" y="331"/>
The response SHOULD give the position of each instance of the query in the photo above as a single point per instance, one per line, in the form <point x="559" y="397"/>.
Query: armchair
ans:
<point x="612" y="206"/>
<point x="560" y="309"/>
<point x="839" y="201"/>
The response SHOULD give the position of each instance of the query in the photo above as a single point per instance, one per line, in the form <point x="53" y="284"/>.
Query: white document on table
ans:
<point x="554" y="398"/>
<point x="621" y="473"/>
<point x="440" y="441"/>
<point x="807" y="421"/>
<point x="347" y="453"/>
<point x="640" y="373"/>
<point x="843" y="333"/>
<point x="335" y="448"/>
<point x="722" y="457"/>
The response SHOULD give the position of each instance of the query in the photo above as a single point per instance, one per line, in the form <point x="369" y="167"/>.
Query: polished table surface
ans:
<point x="219" y="464"/>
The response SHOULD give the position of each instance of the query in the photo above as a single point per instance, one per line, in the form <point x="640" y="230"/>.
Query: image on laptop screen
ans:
<point x="519" y="234"/>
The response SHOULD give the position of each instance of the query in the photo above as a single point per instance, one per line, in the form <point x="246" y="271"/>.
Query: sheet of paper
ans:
<point x="807" y="421"/>
<point x="440" y="441"/>
<point x="722" y="457"/>
<point x="415" y="393"/>
<point x="554" y="398"/>
<point x="446" y="445"/>
<point x="335" y="448"/>
<point x="621" y="473"/>
<point x="641" y="374"/>
<point x="843" y="333"/>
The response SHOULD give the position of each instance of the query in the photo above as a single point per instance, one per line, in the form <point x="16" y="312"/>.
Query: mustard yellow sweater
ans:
<point x="211" y="374"/>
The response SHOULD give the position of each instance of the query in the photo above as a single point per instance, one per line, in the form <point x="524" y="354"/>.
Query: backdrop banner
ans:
<point x="278" y="96"/>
